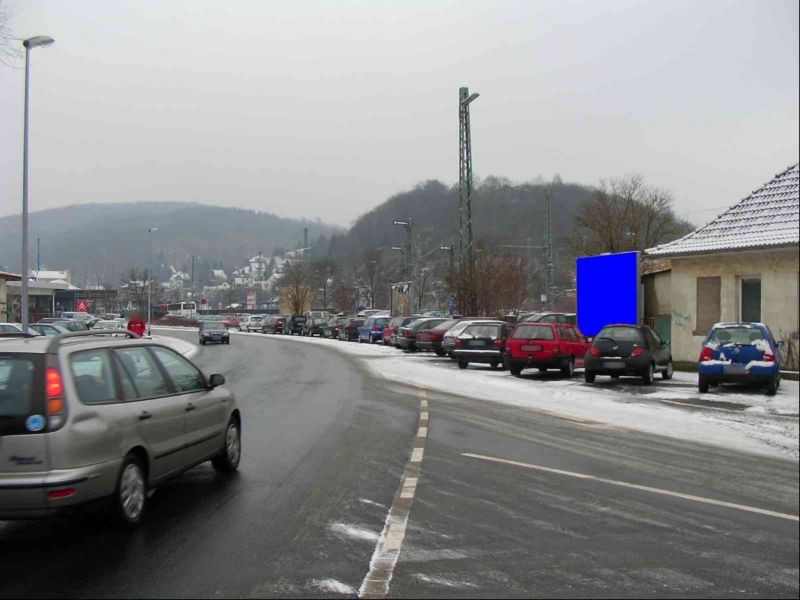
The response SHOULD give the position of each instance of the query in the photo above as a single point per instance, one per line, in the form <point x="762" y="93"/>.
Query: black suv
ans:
<point x="295" y="324"/>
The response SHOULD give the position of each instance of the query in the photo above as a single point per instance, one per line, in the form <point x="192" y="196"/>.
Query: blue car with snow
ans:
<point x="743" y="353"/>
<point x="372" y="329"/>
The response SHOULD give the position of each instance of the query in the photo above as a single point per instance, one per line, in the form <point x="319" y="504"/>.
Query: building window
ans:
<point x="708" y="304"/>
<point x="750" y="299"/>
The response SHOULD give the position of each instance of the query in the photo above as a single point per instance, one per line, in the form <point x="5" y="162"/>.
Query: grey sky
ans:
<point x="324" y="109"/>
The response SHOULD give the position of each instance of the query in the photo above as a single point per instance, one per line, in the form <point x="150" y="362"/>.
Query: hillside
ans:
<point x="104" y="240"/>
<point x="503" y="213"/>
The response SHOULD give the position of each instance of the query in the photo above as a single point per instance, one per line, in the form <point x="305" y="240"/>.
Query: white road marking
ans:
<point x="423" y="416"/>
<point x="635" y="486"/>
<point x="387" y="550"/>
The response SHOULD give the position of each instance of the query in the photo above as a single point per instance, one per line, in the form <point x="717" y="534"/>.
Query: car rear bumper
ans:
<point x="477" y="356"/>
<point x="25" y="495"/>
<point x="429" y="346"/>
<point x="553" y="362"/>
<point x="616" y="366"/>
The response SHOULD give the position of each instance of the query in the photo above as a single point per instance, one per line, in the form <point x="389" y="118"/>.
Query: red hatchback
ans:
<point x="546" y="346"/>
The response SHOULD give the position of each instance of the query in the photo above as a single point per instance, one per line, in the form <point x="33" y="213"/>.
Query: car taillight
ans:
<point x="499" y="343"/>
<point x="637" y="352"/>
<point x="595" y="352"/>
<point x="406" y="333"/>
<point x="58" y="494"/>
<point x="458" y="343"/>
<point x="706" y="354"/>
<point x="769" y="357"/>
<point x="374" y="328"/>
<point x="54" y="391"/>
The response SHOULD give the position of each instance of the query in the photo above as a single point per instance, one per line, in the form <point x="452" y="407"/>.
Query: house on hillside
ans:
<point x="742" y="266"/>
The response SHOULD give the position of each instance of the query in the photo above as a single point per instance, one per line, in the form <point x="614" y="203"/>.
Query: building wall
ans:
<point x="779" y="271"/>
<point x="657" y="290"/>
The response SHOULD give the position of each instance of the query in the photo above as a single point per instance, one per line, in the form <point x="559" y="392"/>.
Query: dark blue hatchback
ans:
<point x="743" y="353"/>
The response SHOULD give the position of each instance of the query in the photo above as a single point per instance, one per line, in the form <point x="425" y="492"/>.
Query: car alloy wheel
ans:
<point x="227" y="460"/>
<point x="132" y="491"/>
<point x="668" y="372"/>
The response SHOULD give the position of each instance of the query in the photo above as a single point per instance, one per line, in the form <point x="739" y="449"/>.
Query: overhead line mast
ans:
<point x="465" y="238"/>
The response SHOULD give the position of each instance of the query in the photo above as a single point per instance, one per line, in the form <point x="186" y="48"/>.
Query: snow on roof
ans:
<point x="768" y="217"/>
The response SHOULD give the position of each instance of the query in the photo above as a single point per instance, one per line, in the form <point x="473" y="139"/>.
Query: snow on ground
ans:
<point x="729" y="416"/>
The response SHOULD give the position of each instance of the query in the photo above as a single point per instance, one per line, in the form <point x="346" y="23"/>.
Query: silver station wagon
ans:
<point x="91" y="415"/>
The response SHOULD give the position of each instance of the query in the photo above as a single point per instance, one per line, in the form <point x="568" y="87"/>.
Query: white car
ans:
<point x="108" y="324"/>
<point x="10" y="328"/>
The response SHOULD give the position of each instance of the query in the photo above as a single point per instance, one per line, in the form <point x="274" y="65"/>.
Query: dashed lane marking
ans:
<point x="635" y="486"/>
<point x="387" y="550"/>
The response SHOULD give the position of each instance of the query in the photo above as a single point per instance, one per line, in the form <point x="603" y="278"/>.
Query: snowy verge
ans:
<point x="742" y="419"/>
<point x="188" y="349"/>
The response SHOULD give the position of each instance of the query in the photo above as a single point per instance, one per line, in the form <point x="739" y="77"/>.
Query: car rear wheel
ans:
<point x="440" y="352"/>
<point x="772" y="387"/>
<point x="131" y="494"/>
<point x="542" y="369"/>
<point x="515" y="371"/>
<point x="588" y="376"/>
<point x="227" y="460"/>
<point x="495" y="365"/>
<point x="462" y="364"/>
<point x="668" y="372"/>
<point x="649" y="375"/>
<point x="702" y="384"/>
<point x="568" y="370"/>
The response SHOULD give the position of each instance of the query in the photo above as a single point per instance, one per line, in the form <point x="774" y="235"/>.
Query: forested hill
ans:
<point x="104" y="240"/>
<point x="503" y="213"/>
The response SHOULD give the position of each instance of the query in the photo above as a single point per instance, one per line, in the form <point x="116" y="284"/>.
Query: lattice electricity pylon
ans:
<point x="465" y="240"/>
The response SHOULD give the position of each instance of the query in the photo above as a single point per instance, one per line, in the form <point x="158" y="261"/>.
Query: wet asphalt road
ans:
<point x="325" y="443"/>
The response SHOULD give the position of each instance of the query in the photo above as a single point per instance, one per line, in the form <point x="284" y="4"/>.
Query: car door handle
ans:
<point x="144" y="415"/>
<point x="190" y="406"/>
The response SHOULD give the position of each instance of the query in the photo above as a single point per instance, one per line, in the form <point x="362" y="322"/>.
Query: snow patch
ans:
<point x="354" y="532"/>
<point x="762" y="345"/>
<point x="759" y="363"/>
<point x="333" y="586"/>
<point x="708" y="363"/>
<point x="371" y="502"/>
<point x="443" y="582"/>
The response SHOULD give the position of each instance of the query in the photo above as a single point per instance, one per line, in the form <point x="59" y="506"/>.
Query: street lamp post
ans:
<point x="150" y="231"/>
<point x="407" y="246"/>
<point x="34" y="42"/>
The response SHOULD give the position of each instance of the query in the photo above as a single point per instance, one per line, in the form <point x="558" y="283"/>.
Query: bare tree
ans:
<point x="369" y="271"/>
<point x="324" y="271"/>
<point x="133" y="288"/>
<point x="626" y="214"/>
<point x="9" y="45"/>
<point x="296" y="287"/>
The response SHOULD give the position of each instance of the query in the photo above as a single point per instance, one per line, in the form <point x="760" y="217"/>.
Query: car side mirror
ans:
<point x="216" y="380"/>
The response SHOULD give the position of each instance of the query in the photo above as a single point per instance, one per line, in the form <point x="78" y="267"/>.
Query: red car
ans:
<point x="231" y="321"/>
<point x="389" y="336"/>
<point x="546" y="346"/>
<point x="431" y="339"/>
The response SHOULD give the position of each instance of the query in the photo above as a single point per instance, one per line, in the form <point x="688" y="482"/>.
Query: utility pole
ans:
<point x="150" y="231"/>
<point x="465" y="239"/>
<point x="191" y="313"/>
<point x="38" y="256"/>
<point x="305" y="244"/>
<point x="407" y="246"/>
<point x="548" y="250"/>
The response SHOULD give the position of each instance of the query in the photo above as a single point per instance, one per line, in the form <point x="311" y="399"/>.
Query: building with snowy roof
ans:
<point x="742" y="266"/>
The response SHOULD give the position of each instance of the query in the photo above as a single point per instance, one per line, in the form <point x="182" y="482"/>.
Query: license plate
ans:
<point x="422" y="338"/>
<point x="476" y="343"/>
<point x="613" y="364"/>
<point x="735" y="369"/>
<point x="532" y="348"/>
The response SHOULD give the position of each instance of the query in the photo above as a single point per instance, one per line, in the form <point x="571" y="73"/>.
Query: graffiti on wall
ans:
<point x="679" y="319"/>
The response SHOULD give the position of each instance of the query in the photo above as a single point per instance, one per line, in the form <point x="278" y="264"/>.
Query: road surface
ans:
<point x="495" y="501"/>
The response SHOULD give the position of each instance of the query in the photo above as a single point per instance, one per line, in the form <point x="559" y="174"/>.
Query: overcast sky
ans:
<point x="325" y="109"/>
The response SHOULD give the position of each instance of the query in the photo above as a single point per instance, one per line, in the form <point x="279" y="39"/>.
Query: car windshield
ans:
<point x="620" y="334"/>
<point x="482" y="331"/>
<point x="533" y="332"/>
<point x="214" y="326"/>
<point x="721" y="336"/>
<point x="446" y="325"/>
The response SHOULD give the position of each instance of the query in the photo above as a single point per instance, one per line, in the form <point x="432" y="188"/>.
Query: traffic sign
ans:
<point x="83" y="306"/>
<point x="203" y="301"/>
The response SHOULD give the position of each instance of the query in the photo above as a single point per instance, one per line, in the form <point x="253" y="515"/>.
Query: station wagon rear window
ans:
<point x="16" y="385"/>
<point x="534" y="332"/>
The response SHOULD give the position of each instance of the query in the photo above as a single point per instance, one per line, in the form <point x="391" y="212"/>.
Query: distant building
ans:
<point x="742" y="266"/>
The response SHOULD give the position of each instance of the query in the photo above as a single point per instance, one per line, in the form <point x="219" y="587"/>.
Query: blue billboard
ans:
<point x="608" y="291"/>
